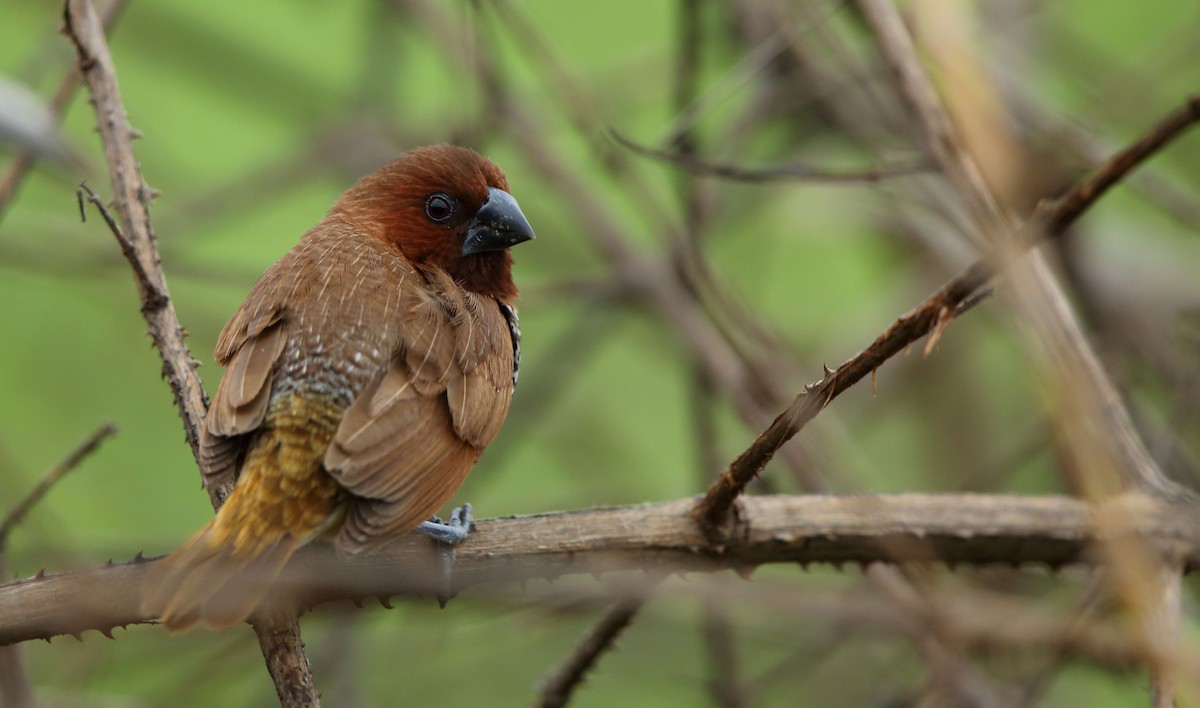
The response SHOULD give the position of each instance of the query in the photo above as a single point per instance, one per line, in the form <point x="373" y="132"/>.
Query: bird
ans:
<point x="365" y="373"/>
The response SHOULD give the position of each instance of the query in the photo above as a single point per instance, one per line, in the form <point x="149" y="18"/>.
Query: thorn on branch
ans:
<point x="944" y="315"/>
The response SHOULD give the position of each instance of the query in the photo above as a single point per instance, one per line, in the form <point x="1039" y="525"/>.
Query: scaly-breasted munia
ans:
<point x="366" y="372"/>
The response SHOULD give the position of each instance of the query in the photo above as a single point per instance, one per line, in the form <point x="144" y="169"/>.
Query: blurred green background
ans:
<point x="256" y="115"/>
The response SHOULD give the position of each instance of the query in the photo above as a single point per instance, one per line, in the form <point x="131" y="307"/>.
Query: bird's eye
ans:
<point x="439" y="208"/>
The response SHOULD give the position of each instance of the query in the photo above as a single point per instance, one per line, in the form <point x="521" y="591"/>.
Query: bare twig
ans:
<point x="279" y="637"/>
<point x="556" y="690"/>
<point x="697" y="205"/>
<point x="70" y="462"/>
<point x="1066" y="209"/>
<point x="931" y="316"/>
<point x="724" y="683"/>
<point x="131" y="198"/>
<point x="721" y="350"/>
<point x="1073" y="626"/>
<point x="937" y="132"/>
<point x="15" y="688"/>
<point x="24" y="162"/>
<point x="794" y="172"/>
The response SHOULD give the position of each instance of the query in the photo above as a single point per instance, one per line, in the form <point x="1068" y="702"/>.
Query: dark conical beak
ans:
<point x="497" y="225"/>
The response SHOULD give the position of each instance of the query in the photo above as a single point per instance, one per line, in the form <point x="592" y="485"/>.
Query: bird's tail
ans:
<point x="283" y="499"/>
<point x="215" y="577"/>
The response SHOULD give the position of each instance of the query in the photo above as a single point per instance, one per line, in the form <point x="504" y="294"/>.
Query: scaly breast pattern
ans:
<point x="343" y="317"/>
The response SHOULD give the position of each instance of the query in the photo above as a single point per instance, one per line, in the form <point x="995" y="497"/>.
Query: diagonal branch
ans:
<point x="15" y="688"/>
<point x="930" y="317"/>
<point x="131" y="199"/>
<point x="557" y="689"/>
<point x="70" y="462"/>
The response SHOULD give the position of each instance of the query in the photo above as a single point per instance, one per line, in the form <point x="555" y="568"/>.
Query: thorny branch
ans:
<point x="958" y="529"/>
<point x="131" y="199"/>
<point x="279" y="636"/>
<point x="557" y="689"/>
<point x="930" y="317"/>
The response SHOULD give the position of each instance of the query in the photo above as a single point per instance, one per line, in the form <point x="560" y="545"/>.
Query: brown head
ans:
<point x="444" y="207"/>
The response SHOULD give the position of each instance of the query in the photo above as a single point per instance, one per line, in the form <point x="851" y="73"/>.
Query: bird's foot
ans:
<point x="448" y="535"/>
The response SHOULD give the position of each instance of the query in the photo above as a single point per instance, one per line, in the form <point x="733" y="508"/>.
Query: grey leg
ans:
<point x="448" y="535"/>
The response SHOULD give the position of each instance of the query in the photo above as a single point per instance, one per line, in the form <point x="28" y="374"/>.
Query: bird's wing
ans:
<point x="408" y="440"/>
<point x="249" y="347"/>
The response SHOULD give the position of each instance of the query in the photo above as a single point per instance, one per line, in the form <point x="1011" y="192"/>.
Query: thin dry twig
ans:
<point x="21" y="165"/>
<point x="942" y="141"/>
<point x="48" y="480"/>
<point x="726" y="688"/>
<point x="279" y="637"/>
<point x="131" y="199"/>
<point x="1051" y="217"/>
<point x="16" y="690"/>
<point x="1070" y="206"/>
<point x="749" y="385"/>
<point x="557" y="689"/>
<point x="772" y="173"/>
